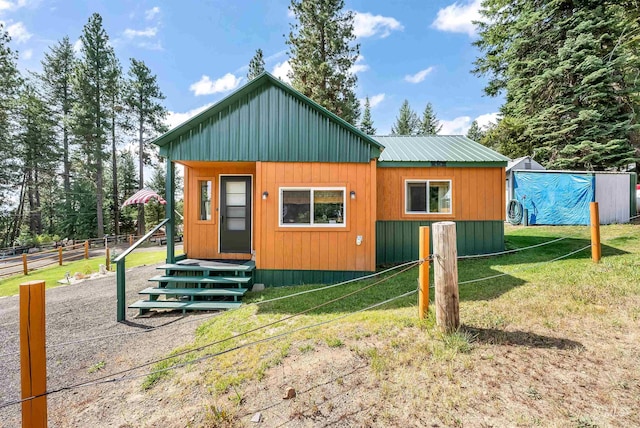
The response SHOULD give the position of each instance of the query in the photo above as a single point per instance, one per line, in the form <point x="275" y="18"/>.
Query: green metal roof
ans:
<point x="267" y="120"/>
<point x="436" y="150"/>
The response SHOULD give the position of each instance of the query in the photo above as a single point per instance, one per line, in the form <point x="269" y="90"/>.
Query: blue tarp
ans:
<point x="555" y="198"/>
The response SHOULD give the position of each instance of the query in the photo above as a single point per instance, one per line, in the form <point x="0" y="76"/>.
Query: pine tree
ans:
<point x="429" y="125"/>
<point x="143" y="98"/>
<point x="256" y="65"/>
<point x="9" y="84"/>
<point x="128" y="180"/>
<point x="58" y="67"/>
<point x="566" y="70"/>
<point x="321" y="54"/>
<point x="90" y="111"/>
<point x="475" y="133"/>
<point x="366" y="125"/>
<point x="36" y="150"/>
<point x="407" y="122"/>
<point x="114" y="98"/>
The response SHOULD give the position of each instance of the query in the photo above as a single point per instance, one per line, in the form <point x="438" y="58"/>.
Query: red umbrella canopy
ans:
<point x="142" y="197"/>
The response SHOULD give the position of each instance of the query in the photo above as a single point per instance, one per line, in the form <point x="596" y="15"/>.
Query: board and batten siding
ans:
<point x="478" y="198"/>
<point x="201" y="236"/>
<point x="477" y="194"/>
<point x="315" y="249"/>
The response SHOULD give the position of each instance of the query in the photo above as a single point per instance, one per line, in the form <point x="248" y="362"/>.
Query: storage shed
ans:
<point x="563" y="197"/>
<point x="276" y="182"/>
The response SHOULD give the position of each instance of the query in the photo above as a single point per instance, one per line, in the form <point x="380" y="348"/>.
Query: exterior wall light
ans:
<point x="353" y="194"/>
<point x="265" y="194"/>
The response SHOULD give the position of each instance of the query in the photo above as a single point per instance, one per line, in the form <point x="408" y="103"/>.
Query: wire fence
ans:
<point x="392" y="272"/>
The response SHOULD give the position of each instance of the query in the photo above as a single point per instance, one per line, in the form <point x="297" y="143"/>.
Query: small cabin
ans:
<point x="273" y="178"/>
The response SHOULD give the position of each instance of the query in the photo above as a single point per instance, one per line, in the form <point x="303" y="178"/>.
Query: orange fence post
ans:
<point x="33" y="358"/>
<point x="60" y="256"/>
<point x="423" y="273"/>
<point x="596" y="250"/>
<point x="25" y="268"/>
<point x="107" y="259"/>
<point x="86" y="249"/>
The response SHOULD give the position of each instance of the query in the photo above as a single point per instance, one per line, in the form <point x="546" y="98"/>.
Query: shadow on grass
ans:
<point x="491" y="270"/>
<point x="520" y="338"/>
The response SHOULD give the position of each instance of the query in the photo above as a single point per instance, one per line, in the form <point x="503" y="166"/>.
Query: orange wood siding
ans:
<point x="316" y="248"/>
<point x="478" y="193"/>
<point x="200" y="236"/>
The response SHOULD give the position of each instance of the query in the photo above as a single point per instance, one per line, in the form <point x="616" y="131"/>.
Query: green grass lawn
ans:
<point x="533" y="295"/>
<point x="51" y="275"/>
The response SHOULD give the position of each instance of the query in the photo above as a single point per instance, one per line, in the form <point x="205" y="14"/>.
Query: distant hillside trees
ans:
<point x="322" y="52"/>
<point x="568" y="71"/>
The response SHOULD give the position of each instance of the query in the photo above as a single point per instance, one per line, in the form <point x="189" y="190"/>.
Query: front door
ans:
<point x="235" y="214"/>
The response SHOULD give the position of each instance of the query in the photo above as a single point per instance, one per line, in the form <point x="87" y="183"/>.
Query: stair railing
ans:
<point x="121" y="287"/>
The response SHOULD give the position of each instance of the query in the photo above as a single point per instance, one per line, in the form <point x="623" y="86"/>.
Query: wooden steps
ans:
<point x="203" y="279"/>
<point x="203" y="285"/>
<point x="232" y="292"/>
<point x="184" y="306"/>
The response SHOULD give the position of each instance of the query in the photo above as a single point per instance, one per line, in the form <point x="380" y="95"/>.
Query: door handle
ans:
<point x="221" y="219"/>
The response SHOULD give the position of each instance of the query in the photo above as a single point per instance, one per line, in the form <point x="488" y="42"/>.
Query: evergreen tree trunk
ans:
<point x="141" y="226"/>
<point x="114" y="175"/>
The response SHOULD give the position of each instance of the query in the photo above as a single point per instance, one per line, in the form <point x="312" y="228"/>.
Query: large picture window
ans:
<point x="428" y="196"/>
<point x="318" y="207"/>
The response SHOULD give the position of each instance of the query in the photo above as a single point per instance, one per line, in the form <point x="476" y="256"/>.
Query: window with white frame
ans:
<point x="312" y="207"/>
<point x="428" y="196"/>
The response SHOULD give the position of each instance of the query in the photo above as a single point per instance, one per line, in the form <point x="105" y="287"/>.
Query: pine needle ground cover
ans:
<point x="548" y="344"/>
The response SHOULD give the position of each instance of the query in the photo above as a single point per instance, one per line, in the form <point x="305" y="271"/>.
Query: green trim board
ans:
<point x="267" y="120"/>
<point x="280" y="277"/>
<point x="398" y="241"/>
<point x="416" y="164"/>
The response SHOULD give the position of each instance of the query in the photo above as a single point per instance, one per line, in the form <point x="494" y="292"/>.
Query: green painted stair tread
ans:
<point x="195" y="291"/>
<point x="211" y="268"/>
<point x="203" y="279"/>
<point x="166" y="304"/>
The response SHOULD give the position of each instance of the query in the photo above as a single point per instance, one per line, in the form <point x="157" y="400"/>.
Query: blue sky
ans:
<point x="410" y="49"/>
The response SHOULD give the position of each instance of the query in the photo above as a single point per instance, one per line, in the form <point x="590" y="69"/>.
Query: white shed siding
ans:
<point x="612" y="195"/>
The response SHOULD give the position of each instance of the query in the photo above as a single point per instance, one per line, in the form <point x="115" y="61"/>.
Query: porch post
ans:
<point x="169" y="211"/>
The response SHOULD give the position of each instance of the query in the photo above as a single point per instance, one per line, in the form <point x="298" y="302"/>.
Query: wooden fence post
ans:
<point x="33" y="357"/>
<point x="86" y="249"/>
<point x="107" y="259"/>
<point x="423" y="273"/>
<point x="25" y="268"/>
<point x="596" y="250"/>
<point x="130" y="240"/>
<point x="60" y="256"/>
<point x="445" y="270"/>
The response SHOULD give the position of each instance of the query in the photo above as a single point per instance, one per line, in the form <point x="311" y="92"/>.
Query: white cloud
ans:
<point x="174" y="119"/>
<point x="359" y="66"/>
<point x="368" y="25"/>
<point x="147" y="32"/>
<point x="151" y="13"/>
<point x="376" y="99"/>
<point x="17" y="31"/>
<point x="152" y="46"/>
<point x="77" y="46"/>
<point x="8" y="5"/>
<point x="460" y="125"/>
<point x="459" y="17"/>
<point x="27" y="54"/>
<point x="282" y="70"/>
<point x="484" y="120"/>
<point x="206" y="86"/>
<point x="419" y="76"/>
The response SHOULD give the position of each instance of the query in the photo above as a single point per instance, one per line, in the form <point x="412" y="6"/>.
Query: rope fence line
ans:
<point x="407" y="266"/>
<point x="111" y="377"/>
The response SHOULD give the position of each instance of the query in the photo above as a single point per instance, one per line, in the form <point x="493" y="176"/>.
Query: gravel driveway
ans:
<point x="78" y="317"/>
